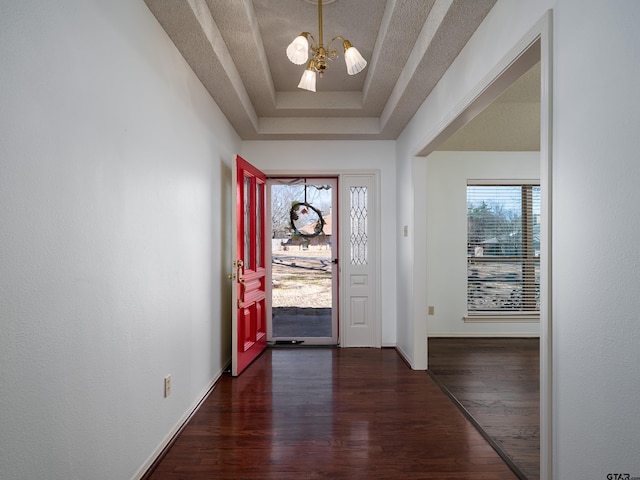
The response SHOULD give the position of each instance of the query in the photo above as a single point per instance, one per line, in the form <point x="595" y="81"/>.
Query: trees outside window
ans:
<point x="503" y="248"/>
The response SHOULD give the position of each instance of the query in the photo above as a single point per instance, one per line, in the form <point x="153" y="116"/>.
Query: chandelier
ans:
<point x="298" y="53"/>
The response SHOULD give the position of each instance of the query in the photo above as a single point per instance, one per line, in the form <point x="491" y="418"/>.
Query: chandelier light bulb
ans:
<point x="308" y="80"/>
<point x="298" y="50"/>
<point x="355" y="62"/>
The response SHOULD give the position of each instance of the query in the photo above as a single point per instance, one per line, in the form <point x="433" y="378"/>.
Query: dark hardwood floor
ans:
<point x="497" y="380"/>
<point x="311" y="413"/>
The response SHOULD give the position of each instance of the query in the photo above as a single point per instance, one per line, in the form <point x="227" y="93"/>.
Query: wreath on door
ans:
<point x="303" y="214"/>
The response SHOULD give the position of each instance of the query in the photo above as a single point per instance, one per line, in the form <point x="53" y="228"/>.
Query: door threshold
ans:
<point x="298" y="343"/>
<point x="287" y="342"/>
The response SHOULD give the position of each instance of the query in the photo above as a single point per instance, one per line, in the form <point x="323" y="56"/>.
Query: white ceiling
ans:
<point x="237" y="49"/>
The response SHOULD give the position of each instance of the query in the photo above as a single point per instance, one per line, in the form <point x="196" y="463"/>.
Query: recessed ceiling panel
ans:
<point x="237" y="49"/>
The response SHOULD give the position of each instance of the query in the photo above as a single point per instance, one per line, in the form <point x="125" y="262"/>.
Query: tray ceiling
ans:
<point x="237" y="49"/>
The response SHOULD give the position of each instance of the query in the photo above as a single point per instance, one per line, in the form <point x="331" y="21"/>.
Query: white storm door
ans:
<point x="302" y="263"/>
<point x="359" y="261"/>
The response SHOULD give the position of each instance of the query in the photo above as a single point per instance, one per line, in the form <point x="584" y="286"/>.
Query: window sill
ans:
<point x="491" y="317"/>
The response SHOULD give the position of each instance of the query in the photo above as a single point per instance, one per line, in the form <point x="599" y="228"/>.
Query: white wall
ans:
<point x="596" y="306"/>
<point x="595" y="265"/>
<point x="446" y="241"/>
<point x="335" y="157"/>
<point x="114" y="208"/>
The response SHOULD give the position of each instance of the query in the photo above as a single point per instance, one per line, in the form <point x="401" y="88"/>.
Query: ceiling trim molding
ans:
<point x="316" y="126"/>
<point x="260" y="50"/>
<point x="320" y="100"/>
<point x="429" y="30"/>
<point x="214" y="37"/>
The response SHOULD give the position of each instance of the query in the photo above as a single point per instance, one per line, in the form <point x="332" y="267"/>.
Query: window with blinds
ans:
<point x="503" y="248"/>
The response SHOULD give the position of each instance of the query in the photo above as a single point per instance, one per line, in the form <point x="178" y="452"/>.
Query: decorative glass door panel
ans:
<point x="358" y="221"/>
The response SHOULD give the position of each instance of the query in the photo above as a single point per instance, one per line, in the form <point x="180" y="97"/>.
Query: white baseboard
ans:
<point x="484" y="335"/>
<point x="176" y="428"/>
<point x="493" y="318"/>
<point x="404" y="355"/>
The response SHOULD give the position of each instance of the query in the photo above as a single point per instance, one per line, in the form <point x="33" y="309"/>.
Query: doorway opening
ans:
<point x="503" y="257"/>
<point x="530" y="58"/>
<point x="303" y="266"/>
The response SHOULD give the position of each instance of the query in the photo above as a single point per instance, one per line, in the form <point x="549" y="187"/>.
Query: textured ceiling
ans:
<point x="237" y="49"/>
<point x="510" y="123"/>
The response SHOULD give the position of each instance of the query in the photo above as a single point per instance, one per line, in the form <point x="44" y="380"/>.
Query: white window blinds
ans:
<point x="503" y="248"/>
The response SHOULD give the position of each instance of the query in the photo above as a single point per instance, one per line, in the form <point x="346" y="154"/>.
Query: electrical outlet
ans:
<point x="167" y="385"/>
<point x="432" y="310"/>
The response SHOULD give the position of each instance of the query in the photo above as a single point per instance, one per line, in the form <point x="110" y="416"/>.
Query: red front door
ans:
<point x="249" y="327"/>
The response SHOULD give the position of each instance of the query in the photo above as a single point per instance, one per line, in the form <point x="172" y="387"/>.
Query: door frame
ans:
<point x="343" y="241"/>
<point x="495" y="82"/>
<point x="335" y="249"/>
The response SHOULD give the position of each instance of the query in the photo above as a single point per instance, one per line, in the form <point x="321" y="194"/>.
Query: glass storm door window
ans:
<point x="304" y="265"/>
